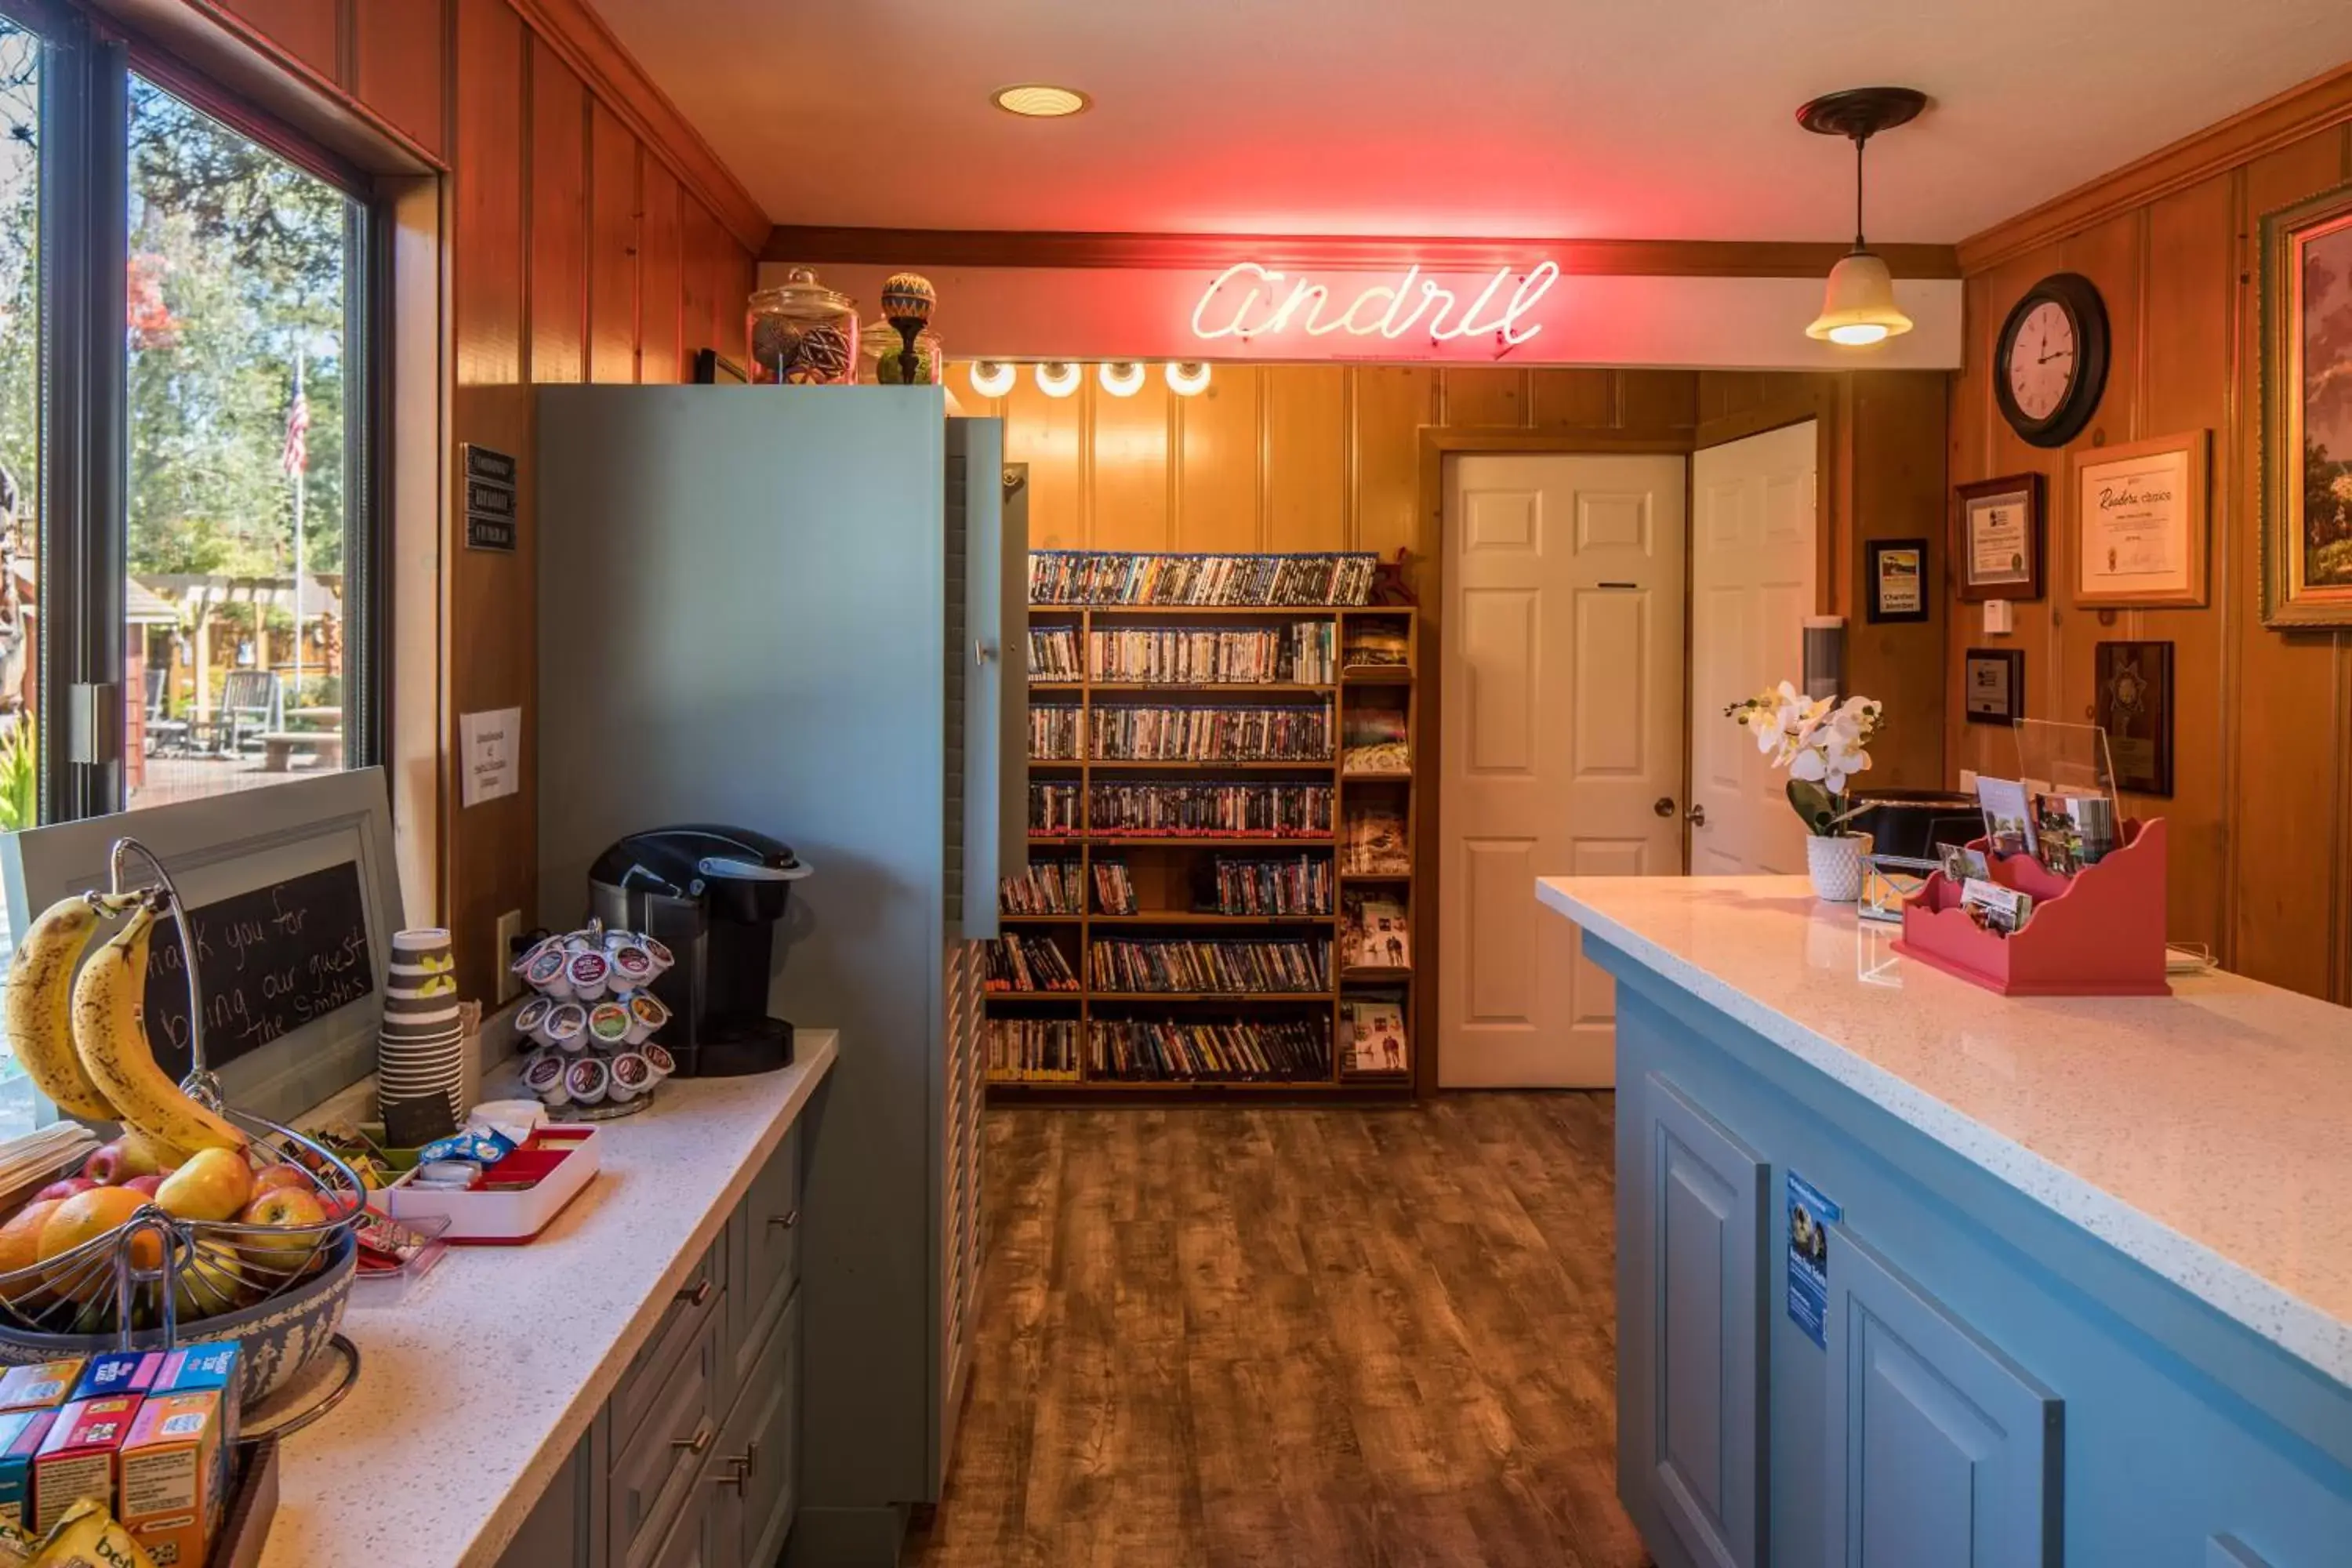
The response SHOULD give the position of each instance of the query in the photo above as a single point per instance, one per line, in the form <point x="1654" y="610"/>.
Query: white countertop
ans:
<point x="475" y="1387"/>
<point x="2206" y="1135"/>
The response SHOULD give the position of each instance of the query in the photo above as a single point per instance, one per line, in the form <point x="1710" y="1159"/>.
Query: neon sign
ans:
<point x="1248" y="302"/>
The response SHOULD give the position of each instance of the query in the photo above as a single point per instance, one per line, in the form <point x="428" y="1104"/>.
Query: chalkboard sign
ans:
<point x="272" y="960"/>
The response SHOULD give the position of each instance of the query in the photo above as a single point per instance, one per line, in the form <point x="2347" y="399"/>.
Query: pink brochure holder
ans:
<point x="2099" y="933"/>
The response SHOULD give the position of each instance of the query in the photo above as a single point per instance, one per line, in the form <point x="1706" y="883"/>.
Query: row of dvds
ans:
<point x="1121" y="577"/>
<point x="1241" y="967"/>
<point x="1052" y="733"/>
<point x="1054" y="806"/>
<point x="1258" y="810"/>
<point x="1053" y="653"/>
<point x="1050" y="888"/>
<point x="1114" y="889"/>
<point x="1378" y="645"/>
<point x="1299" y="654"/>
<point x="1285" y="734"/>
<point x="1142" y="1050"/>
<point x="1031" y="1050"/>
<point x="1300" y="887"/>
<point x="1015" y="963"/>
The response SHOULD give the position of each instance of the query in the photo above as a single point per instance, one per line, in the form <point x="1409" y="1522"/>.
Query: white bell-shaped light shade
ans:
<point x="991" y="377"/>
<point x="1121" y="378"/>
<point x="1188" y="377"/>
<point x="1059" y="378"/>
<point x="1859" y="307"/>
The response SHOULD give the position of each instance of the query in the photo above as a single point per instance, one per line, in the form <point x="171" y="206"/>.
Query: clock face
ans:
<point x="2044" y="360"/>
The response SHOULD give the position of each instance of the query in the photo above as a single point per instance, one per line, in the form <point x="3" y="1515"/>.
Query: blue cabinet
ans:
<point x="1942" y="1452"/>
<point x="1691" y="1365"/>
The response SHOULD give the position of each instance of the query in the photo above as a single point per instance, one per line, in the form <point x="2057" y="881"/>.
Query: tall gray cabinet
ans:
<point x="801" y="610"/>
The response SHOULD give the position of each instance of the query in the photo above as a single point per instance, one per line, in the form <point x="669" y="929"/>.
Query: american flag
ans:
<point x="296" y="458"/>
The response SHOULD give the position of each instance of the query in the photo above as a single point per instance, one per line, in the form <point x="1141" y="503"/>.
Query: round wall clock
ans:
<point x="2052" y="359"/>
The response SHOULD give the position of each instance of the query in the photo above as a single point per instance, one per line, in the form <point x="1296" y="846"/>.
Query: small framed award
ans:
<point x="1899" y="579"/>
<point x="2140" y="522"/>
<point x="1997" y="554"/>
<point x="1993" y="685"/>
<point x="2134" y="706"/>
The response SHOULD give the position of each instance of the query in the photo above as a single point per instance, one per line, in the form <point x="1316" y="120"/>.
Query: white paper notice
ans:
<point x="489" y="743"/>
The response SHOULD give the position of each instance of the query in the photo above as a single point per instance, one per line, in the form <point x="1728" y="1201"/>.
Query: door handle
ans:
<point x="1696" y="815"/>
<point x="696" y="1294"/>
<point x="1664" y="805"/>
<point x="983" y="650"/>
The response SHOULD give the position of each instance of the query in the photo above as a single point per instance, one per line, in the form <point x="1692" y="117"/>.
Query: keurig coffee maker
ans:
<point x="713" y="896"/>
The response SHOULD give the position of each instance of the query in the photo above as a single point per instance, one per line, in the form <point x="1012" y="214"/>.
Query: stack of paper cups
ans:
<point x="421" y="1049"/>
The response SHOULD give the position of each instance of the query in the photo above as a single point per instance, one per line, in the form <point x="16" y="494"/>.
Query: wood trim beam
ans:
<point x="580" y="37"/>
<point x="947" y="247"/>
<point x="2317" y="104"/>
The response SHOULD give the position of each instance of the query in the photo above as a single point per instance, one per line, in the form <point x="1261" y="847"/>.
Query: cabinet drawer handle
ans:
<point x="742" y="1465"/>
<point x="696" y="1294"/>
<point x="698" y="1444"/>
<point x="786" y="1220"/>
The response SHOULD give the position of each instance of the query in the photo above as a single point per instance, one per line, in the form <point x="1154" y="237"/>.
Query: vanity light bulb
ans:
<point x="1057" y="378"/>
<point x="1188" y="378"/>
<point x="1121" y="378"/>
<point x="991" y="377"/>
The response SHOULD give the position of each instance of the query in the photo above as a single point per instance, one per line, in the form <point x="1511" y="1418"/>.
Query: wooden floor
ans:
<point x="1301" y="1337"/>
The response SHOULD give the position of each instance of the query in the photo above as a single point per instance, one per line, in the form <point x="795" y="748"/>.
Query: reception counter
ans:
<point x="1912" y="1274"/>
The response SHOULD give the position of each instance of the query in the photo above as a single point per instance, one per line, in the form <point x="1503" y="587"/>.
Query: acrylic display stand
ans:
<point x="2098" y="933"/>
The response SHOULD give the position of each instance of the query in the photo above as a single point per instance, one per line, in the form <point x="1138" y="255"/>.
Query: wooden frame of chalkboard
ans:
<point x="294" y="896"/>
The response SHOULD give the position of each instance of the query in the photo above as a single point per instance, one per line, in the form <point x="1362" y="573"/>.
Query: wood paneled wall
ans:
<point x="590" y="234"/>
<point x="2260" y="817"/>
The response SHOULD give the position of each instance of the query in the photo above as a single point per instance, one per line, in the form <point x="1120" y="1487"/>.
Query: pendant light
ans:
<point x="1858" y="308"/>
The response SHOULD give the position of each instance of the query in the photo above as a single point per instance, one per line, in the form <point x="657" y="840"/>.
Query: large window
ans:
<point x="186" y="502"/>
<point x="237" y="295"/>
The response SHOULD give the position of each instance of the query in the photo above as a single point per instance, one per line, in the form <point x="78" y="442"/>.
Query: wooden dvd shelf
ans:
<point x="1190" y="889"/>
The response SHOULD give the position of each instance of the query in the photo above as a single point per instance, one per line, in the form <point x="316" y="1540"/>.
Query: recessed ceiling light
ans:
<point x="1039" y="101"/>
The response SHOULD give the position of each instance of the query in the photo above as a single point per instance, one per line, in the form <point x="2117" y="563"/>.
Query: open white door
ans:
<point x="1562" y="745"/>
<point x="1752" y="569"/>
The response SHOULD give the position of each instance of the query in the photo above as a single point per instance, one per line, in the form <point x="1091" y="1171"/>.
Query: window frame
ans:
<point x="87" y="64"/>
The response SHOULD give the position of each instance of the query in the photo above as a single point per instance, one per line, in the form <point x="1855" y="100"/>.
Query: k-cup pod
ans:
<point x="578" y="942"/>
<point x="658" y="953"/>
<point x="522" y="959"/>
<point x="587" y="1079"/>
<point x="647" y="1015"/>
<point x="588" y="972"/>
<point x="658" y="1058"/>
<point x="544" y="1078"/>
<point x="531" y="1018"/>
<point x="633" y="966"/>
<point x="608" y="1024"/>
<point x="545" y="973"/>
<point x="567" y="1027"/>
<point x="631" y="1075"/>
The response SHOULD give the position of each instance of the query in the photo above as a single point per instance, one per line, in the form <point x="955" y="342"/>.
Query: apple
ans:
<point x="211" y="1281"/>
<point x="214" y="1184"/>
<point x="270" y="1178"/>
<point x="289" y="1212"/>
<point x="128" y="1156"/>
<point x="20" y="1239"/>
<point x="85" y="1216"/>
<point x="149" y="1184"/>
<point x="66" y="1188"/>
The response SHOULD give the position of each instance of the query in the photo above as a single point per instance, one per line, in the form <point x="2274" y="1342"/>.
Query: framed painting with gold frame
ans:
<point x="2307" y="387"/>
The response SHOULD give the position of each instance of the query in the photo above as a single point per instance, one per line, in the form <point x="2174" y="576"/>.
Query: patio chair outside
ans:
<point x="253" y="703"/>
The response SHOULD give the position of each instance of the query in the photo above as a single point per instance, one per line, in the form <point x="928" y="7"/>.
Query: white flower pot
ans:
<point x="1836" y="866"/>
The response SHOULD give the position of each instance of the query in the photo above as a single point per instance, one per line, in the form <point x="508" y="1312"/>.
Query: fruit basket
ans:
<point x="199" y="1222"/>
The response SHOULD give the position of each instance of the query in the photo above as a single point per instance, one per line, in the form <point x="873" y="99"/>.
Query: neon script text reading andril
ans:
<point x="1241" y="303"/>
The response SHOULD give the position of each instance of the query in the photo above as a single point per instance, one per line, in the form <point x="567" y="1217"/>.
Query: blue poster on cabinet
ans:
<point x="1810" y="1217"/>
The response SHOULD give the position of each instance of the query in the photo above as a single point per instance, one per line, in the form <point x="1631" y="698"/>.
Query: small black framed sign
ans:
<point x="1899" y="579"/>
<point x="2134" y="706"/>
<point x="1993" y="685"/>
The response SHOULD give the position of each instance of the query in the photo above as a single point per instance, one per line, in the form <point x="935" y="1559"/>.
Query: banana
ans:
<point x="36" y="1006"/>
<point x="113" y="1041"/>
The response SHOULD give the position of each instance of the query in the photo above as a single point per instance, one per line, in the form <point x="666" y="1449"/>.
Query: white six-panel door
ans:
<point x="1562" y="745"/>
<point x="1752" y="570"/>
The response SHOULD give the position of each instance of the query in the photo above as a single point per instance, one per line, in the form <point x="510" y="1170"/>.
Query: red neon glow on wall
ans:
<point x="1247" y="300"/>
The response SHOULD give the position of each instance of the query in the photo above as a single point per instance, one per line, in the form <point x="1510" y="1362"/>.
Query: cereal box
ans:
<point x="78" y="1458"/>
<point x="21" y="1432"/>
<point x="196" y="1367"/>
<point x="119" y="1372"/>
<point x="175" y="1476"/>
<point x="42" y="1387"/>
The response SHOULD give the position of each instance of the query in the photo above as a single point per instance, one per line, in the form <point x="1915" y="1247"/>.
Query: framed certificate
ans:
<point x="2141" y="522"/>
<point x="1993" y="685"/>
<point x="1899" y="579"/>
<point x="1997" y="547"/>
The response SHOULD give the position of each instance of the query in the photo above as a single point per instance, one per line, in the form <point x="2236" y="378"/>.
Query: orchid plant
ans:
<point x="1822" y="742"/>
